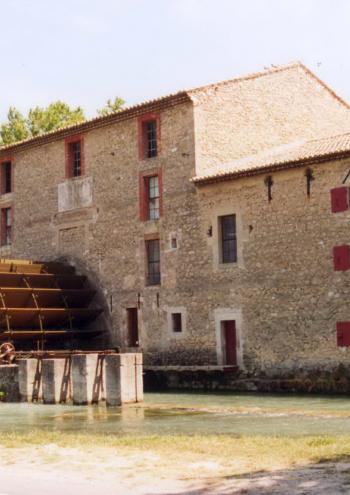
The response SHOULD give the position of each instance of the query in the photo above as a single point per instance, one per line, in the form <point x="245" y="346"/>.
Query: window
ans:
<point x="74" y="157"/>
<point x="176" y="322"/>
<point x="149" y="135"/>
<point x="150" y="139"/>
<point x="6" y="226"/>
<point x="151" y="195"/>
<point x="153" y="262"/>
<point x="228" y="238"/>
<point x="6" y="177"/>
<point x="173" y="242"/>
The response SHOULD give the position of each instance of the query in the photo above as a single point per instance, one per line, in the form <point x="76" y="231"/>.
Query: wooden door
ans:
<point x="133" y="327"/>
<point x="229" y="331"/>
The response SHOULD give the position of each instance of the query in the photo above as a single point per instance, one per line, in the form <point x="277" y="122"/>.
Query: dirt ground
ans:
<point x="52" y="469"/>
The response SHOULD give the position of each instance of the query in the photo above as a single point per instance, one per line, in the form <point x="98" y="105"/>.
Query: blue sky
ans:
<point x="86" y="51"/>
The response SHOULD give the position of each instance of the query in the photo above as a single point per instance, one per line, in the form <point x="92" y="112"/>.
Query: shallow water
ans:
<point x="190" y="413"/>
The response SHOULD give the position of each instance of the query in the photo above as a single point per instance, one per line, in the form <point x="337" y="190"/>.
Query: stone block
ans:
<point x="9" y="383"/>
<point x="30" y="379"/>
<point x="87" y="379"/>
<point x="112" y="365"/>
<point x="123" y="379"/>
<point x="56" y="380"/>
<point x="131" y="378"/>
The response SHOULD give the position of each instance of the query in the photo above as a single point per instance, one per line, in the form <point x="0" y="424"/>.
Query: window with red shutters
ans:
<point x="339" y="199"/>
<point x="6" y="177"/>
<point x="343" y="333"/>
<point x="341" y="258"/>
<point x="151" y="200"/>
<point x="6" y="226"/>
<point x="149" y="136"/>
<point x="74" y="156"/>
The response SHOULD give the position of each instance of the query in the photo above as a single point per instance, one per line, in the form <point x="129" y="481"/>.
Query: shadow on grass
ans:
<point x="330" y="476"/>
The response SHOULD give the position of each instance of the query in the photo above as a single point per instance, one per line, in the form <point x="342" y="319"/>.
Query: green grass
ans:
<point x="239" y="455"/>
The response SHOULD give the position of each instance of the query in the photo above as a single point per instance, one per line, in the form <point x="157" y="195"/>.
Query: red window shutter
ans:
<point x="69" y="141"/>
<point x="341" y="258"/>
<point x="160" y="185"/>
<point x="343" y="333"/>
<point x="340" y="199"/>
<point x="143" y="197"/>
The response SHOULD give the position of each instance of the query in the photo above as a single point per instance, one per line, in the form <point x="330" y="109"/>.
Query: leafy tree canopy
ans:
<point x="111" y="106"/>
<point x="54" y="116"/>
<point x="41" y="120"/>
<point x="15" y="129"/>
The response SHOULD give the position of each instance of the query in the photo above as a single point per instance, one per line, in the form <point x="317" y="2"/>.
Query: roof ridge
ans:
<point x="250" y="75"/>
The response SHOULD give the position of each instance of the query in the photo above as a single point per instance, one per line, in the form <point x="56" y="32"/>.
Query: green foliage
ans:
<point x="54" y="116"/>
<point x="39" y="120"/>
<point x="111" y="107"/>
<point x="15" y="129"/>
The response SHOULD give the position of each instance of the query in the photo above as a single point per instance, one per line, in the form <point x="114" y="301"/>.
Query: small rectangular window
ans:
<point x="6" y="177"/>
<point x="176" y="322"/>
<point x="228" y="239"/>
<point x="173" y="242"/>
<point x="150" y="194"/>
<point x="153" y="197"/>
<point x="153" y="261"/>
<point x="6" y="226"/>
<point x="150" y="147"/>
<point x="75" y="156"/>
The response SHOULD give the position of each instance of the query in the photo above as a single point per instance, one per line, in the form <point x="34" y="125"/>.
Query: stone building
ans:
<point x="206" y="219"/>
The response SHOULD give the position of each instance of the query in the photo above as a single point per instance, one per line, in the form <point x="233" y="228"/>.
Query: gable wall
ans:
<point x="238" y="119"/>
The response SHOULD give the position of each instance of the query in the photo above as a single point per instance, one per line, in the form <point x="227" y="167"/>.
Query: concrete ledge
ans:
<point x="190" y="368"/>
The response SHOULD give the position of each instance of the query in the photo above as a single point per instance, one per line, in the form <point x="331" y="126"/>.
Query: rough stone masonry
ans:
<point x="266" y="149"/>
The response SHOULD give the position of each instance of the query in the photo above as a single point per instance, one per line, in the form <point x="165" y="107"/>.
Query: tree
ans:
<point x="111" y="107"/>
<point x="54" y="116"/>
<point x="39" y="120"/>
<point x="15" y="129"/>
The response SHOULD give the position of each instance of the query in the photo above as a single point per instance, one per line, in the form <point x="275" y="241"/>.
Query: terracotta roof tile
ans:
<point x="286" y="156"/>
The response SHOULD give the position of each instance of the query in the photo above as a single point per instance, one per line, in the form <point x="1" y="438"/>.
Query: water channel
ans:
<point x="190" y="413"/>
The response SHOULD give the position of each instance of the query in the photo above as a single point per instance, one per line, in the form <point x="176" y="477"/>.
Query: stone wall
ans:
<point x="98" y="228"/>
<point x="234" y="120"/>
<point x="284" y="282"/>
<point x="283" y="292"/>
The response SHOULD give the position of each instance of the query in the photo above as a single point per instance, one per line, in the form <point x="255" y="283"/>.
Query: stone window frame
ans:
<point x="218" y="212"/>
<point x="170" y="310"/>
<point x="173" y="235"/>
<point x="147" y="238"/>
<point x="68" y="143"/>
<point x="227" y="314"/>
